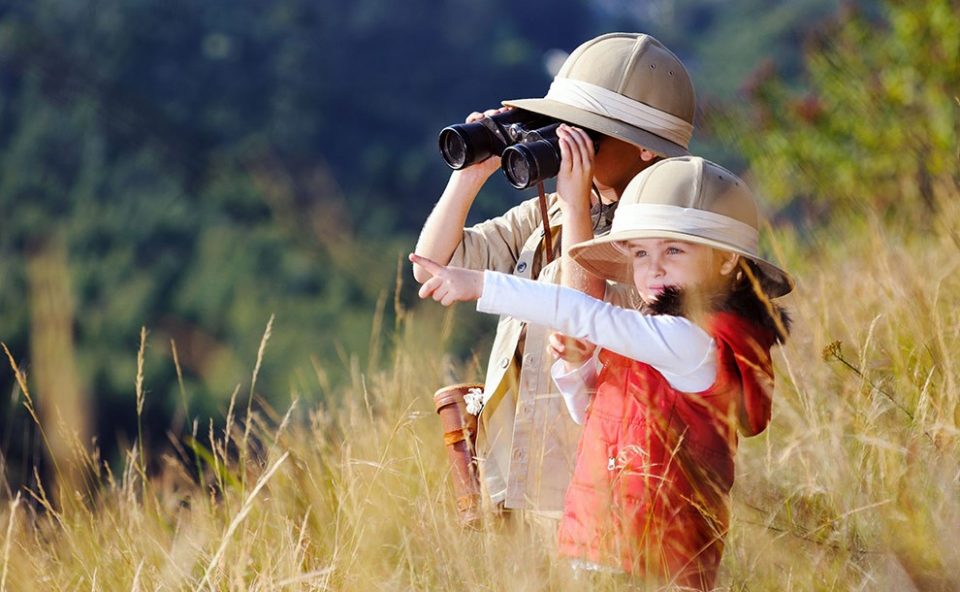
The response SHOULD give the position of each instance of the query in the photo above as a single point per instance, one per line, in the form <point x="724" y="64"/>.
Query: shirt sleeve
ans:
<point x="495" y="244"/>
<point x="576" y="386"/>
<point x="679" y="349"/>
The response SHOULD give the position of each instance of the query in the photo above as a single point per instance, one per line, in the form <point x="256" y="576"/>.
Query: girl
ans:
<point x="664" y="397"/>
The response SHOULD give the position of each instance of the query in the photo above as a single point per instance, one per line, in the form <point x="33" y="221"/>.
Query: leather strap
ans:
<point x="452" y="437"/>
<point x="545" y="217"/>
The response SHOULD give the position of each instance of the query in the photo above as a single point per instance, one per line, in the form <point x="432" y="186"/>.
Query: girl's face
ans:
<point x="662" y="263"/>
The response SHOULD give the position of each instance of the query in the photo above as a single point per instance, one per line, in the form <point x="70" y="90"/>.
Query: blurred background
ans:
<point x="198" y="168"/>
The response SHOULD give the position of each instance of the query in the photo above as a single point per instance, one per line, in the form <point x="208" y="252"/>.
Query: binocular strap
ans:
<point x="545" y="217"/>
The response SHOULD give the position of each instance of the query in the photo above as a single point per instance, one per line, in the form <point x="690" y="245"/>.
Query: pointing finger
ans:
<point x="431" y="266"/>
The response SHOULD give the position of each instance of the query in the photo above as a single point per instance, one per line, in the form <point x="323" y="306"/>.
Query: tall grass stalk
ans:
<point x="9" y="538"/>
<point x="253" y="385"/>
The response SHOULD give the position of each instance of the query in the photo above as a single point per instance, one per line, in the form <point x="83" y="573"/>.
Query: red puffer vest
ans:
<point x="655" y="465"/>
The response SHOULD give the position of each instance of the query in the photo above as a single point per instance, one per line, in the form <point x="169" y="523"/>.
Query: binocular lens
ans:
<point x="516" y="165"/>
<point x="454" y="148"/>
<point x="525" y="165"/>
<point x="466" y="143"/>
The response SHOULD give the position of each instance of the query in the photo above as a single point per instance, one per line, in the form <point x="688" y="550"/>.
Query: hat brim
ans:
<point x="599" y="123"/>
<point x="603" y="258"/>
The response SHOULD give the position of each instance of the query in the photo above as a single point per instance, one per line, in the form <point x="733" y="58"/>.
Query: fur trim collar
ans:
<point x="742" y="301"/>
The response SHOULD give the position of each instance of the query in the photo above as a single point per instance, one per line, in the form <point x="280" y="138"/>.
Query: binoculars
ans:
<point x="526" y="143"/>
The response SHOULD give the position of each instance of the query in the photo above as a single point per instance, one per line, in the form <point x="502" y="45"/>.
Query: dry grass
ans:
<point x="853" y="487"/>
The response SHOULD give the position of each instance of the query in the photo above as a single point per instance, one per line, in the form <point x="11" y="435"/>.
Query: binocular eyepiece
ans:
<point x="526" y="143"/>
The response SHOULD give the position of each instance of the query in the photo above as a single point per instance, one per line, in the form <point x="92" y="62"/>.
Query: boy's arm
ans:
<point x="443" y="236"/>
<point x="443" y="230"/>
<point x="574" y="183"/>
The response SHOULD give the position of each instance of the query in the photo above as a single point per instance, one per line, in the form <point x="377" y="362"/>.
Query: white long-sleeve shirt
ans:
<point x="680" y="350"/>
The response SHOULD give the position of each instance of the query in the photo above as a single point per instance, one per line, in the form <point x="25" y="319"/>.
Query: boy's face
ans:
<point x="617" y="163"/>
<point x="662" y="263"/>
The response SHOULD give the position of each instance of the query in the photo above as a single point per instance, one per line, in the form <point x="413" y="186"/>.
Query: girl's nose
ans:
<point x="656" y="265"/>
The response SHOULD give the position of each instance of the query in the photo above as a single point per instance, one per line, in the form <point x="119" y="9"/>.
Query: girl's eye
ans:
<point x="639" y="253"/>
<point x="674" y="250"/>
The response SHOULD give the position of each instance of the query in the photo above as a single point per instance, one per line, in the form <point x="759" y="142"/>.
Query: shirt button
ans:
<point x="521" y="267"/>
<point x="504" y="362"/>
<point x="611" y="463"/>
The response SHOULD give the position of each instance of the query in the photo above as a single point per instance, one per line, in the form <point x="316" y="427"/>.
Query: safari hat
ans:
<point x="685" y="198"/>
<point x="625" y="85"/>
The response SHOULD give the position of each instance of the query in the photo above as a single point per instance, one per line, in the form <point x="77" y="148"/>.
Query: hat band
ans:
<point x="698" y="223"/>
<point x="605" y="102"/>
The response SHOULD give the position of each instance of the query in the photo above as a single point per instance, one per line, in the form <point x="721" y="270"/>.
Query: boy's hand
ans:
<point x="575" y="178"/>
<point x="482" y="170"/>
<point x="449" y="284"/>
<point x="574" y="352"/>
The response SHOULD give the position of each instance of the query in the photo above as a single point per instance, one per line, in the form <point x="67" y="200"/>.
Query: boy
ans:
<point x="633" y="91"/>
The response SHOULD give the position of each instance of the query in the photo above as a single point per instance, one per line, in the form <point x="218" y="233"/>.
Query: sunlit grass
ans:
<point x="853" y="487"/>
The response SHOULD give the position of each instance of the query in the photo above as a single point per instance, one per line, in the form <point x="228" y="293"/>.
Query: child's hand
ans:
<point x="576" y="167"/>
<point x="574" y="352"/>
<point x="485" y="168"/>
<point x="449" y="284"/>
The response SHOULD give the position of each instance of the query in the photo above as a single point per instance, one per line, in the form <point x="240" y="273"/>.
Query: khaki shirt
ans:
<point x="527" y="441"/>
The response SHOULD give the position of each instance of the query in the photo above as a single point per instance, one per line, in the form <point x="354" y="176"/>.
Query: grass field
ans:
<point x="855" y="485"/>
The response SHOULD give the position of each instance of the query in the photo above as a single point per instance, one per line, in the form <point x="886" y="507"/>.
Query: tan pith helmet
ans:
<point x="685" y="198"/>
<point x="625" y="85"/>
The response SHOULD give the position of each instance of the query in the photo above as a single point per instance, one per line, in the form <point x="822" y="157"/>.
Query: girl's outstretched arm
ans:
<point x="675" y="346"/>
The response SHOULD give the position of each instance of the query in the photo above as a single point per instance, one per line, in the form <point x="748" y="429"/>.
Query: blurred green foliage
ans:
<point x="875" y="124"/>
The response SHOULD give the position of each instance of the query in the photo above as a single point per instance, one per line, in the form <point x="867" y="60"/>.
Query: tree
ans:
<point x="875" y="123"/>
